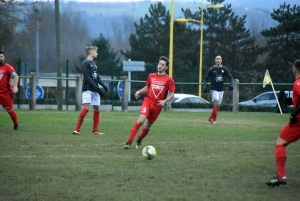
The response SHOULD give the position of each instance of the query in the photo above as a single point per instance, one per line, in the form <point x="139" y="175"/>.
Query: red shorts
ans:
<point x="290" y="132"/>
<point x="151" y="110"/>
<point x="7" y="101"/>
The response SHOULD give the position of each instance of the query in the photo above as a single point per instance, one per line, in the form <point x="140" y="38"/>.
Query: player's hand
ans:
<point x="161" y="103"/>
<point x="15" y="89"/>
<point x="100" y="92"/>
<point x="293" y="118"/>
<point x="105" y="88"/>
<point x="137" y="95"/>
<point x="205" y="90"/>
<point x="231" y="88"/>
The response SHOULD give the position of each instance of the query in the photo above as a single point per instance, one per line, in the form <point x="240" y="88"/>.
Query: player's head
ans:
<point x="2" y="58"/>
<point x="163" y="64"/>
<point x="296" y="67"/>
<point x="218" y="60"/>
<point x="92" y="51"/>
<point x="163" y="58"/>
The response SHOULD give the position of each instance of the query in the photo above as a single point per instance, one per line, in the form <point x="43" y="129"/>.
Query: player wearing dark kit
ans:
<point x="157" y="87"/>
<point x="289" y="133"/>
<point x="91" y="92"/>
<point x="7" y="89"/>
<point x="217" y="74"/>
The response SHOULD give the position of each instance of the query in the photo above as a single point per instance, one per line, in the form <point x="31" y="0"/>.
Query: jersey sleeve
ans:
<point x="171" y="85"/>
<point x="11" y="71"/>
<point x="296" y="93"/>
<point x="207" y="76"/>
<point x="228" y="75"/>
<point x="148" y="81"/>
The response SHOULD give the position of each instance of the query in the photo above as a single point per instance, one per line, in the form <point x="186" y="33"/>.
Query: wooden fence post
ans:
<point x="32" y="84"/>
<point x="235" y="96"/>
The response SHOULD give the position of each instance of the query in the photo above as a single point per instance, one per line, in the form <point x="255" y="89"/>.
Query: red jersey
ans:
<point x="159" y="85"/>
<point x="296" y="93"/>
<point x="6" y="72"/>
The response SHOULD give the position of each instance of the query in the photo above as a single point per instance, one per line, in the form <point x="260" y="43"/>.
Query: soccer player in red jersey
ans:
<point x="157" y="87"/>
<point x="289" y="133"/>
<point x="7" y="90"/>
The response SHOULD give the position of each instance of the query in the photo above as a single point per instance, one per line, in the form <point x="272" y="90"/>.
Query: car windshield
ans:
<point x="174" y="99"/>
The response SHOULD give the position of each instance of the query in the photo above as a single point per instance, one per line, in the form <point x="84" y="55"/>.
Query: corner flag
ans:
<point x="267" y="79"/>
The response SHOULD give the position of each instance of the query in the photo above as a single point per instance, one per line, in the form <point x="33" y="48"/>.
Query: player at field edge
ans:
<point x="91" y="93"/>
<point x="157" y="87"/>
<point x="217" y="74"/>
<point x="289" y="133"/>
<point x="7" y="89"/>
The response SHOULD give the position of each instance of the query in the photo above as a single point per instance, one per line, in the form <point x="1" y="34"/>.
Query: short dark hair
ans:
<point x="1" y="52"/>
<point x="165" y="59"/>
<point x="296" y="65"/>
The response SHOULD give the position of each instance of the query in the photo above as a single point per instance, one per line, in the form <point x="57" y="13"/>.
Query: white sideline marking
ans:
<point x="128" y="156"/>
<point x="107" y="144"/>
<point x="65" y="156"/>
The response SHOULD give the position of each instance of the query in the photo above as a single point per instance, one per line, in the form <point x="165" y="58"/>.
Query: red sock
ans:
<point x="280" y="158"/>
<point x="96" y="119"/>
<point x="81" y="116"/>
<point x="135" y="128"/>
<point x="214" y="113"/>
<point x="14" y="117"/>
<point x="143" y="134"/>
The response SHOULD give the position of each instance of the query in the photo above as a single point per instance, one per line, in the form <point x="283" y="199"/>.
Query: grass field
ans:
<point x="195" y="161"/>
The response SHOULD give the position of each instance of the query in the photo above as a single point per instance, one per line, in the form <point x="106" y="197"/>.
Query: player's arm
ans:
<point x="15" y="77"/>
<point x="296" y="110"/>
<point x="162" y="103"/>
<point x="102" y="83"/>
<point x="170" y="97"/>
<point x="293" y="117"/>
<point x="141" y="91"/>
<point x="229" y="76"/>
<point x="208" y="74"/>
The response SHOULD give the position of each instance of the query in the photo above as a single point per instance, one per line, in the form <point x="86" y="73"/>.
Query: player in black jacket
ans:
<point x="217" y="74"/>
<point x="91" y="92"/>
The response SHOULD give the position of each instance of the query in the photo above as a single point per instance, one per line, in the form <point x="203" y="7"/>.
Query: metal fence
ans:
<point x="46" y="92"/>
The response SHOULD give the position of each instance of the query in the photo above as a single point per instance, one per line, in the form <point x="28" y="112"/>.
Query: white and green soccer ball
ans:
<point x="149" y="152"/>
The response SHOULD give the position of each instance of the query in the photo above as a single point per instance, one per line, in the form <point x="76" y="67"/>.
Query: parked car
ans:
<point x="266" y="99"/>
<point x="188" y="98"/>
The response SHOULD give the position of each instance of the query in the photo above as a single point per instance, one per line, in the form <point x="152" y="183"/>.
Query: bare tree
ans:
<point x="119" y="32"/>
<point x="74" y="34"/>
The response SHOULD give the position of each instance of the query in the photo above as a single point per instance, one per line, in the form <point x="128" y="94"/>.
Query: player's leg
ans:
<point x="280" y="159"/>
<point x="8" y="104"/>
<point x="289" y="134"/>
<point x="217" y="104"/>
<point x="143" y="134"/>
<point x="144" y="112"/>
<point x="153" y="115"/>
<point x="95" y="102"/>
<point x="216" y="100"/>
<point x="86" y="101"/>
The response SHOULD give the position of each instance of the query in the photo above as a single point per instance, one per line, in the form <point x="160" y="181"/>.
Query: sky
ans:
<point x="205" y="1"/>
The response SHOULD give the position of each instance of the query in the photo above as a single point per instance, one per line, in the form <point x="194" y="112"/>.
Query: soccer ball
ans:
<point x="149" y="152"/>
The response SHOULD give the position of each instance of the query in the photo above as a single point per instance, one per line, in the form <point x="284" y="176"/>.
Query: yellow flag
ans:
<point x="267" y="78"/>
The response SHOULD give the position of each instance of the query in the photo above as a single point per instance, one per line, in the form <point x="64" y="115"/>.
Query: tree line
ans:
<point x="247" y="53"/>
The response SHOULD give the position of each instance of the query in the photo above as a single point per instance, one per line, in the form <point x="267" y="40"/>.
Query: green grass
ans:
<point x="195" y="160"/>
